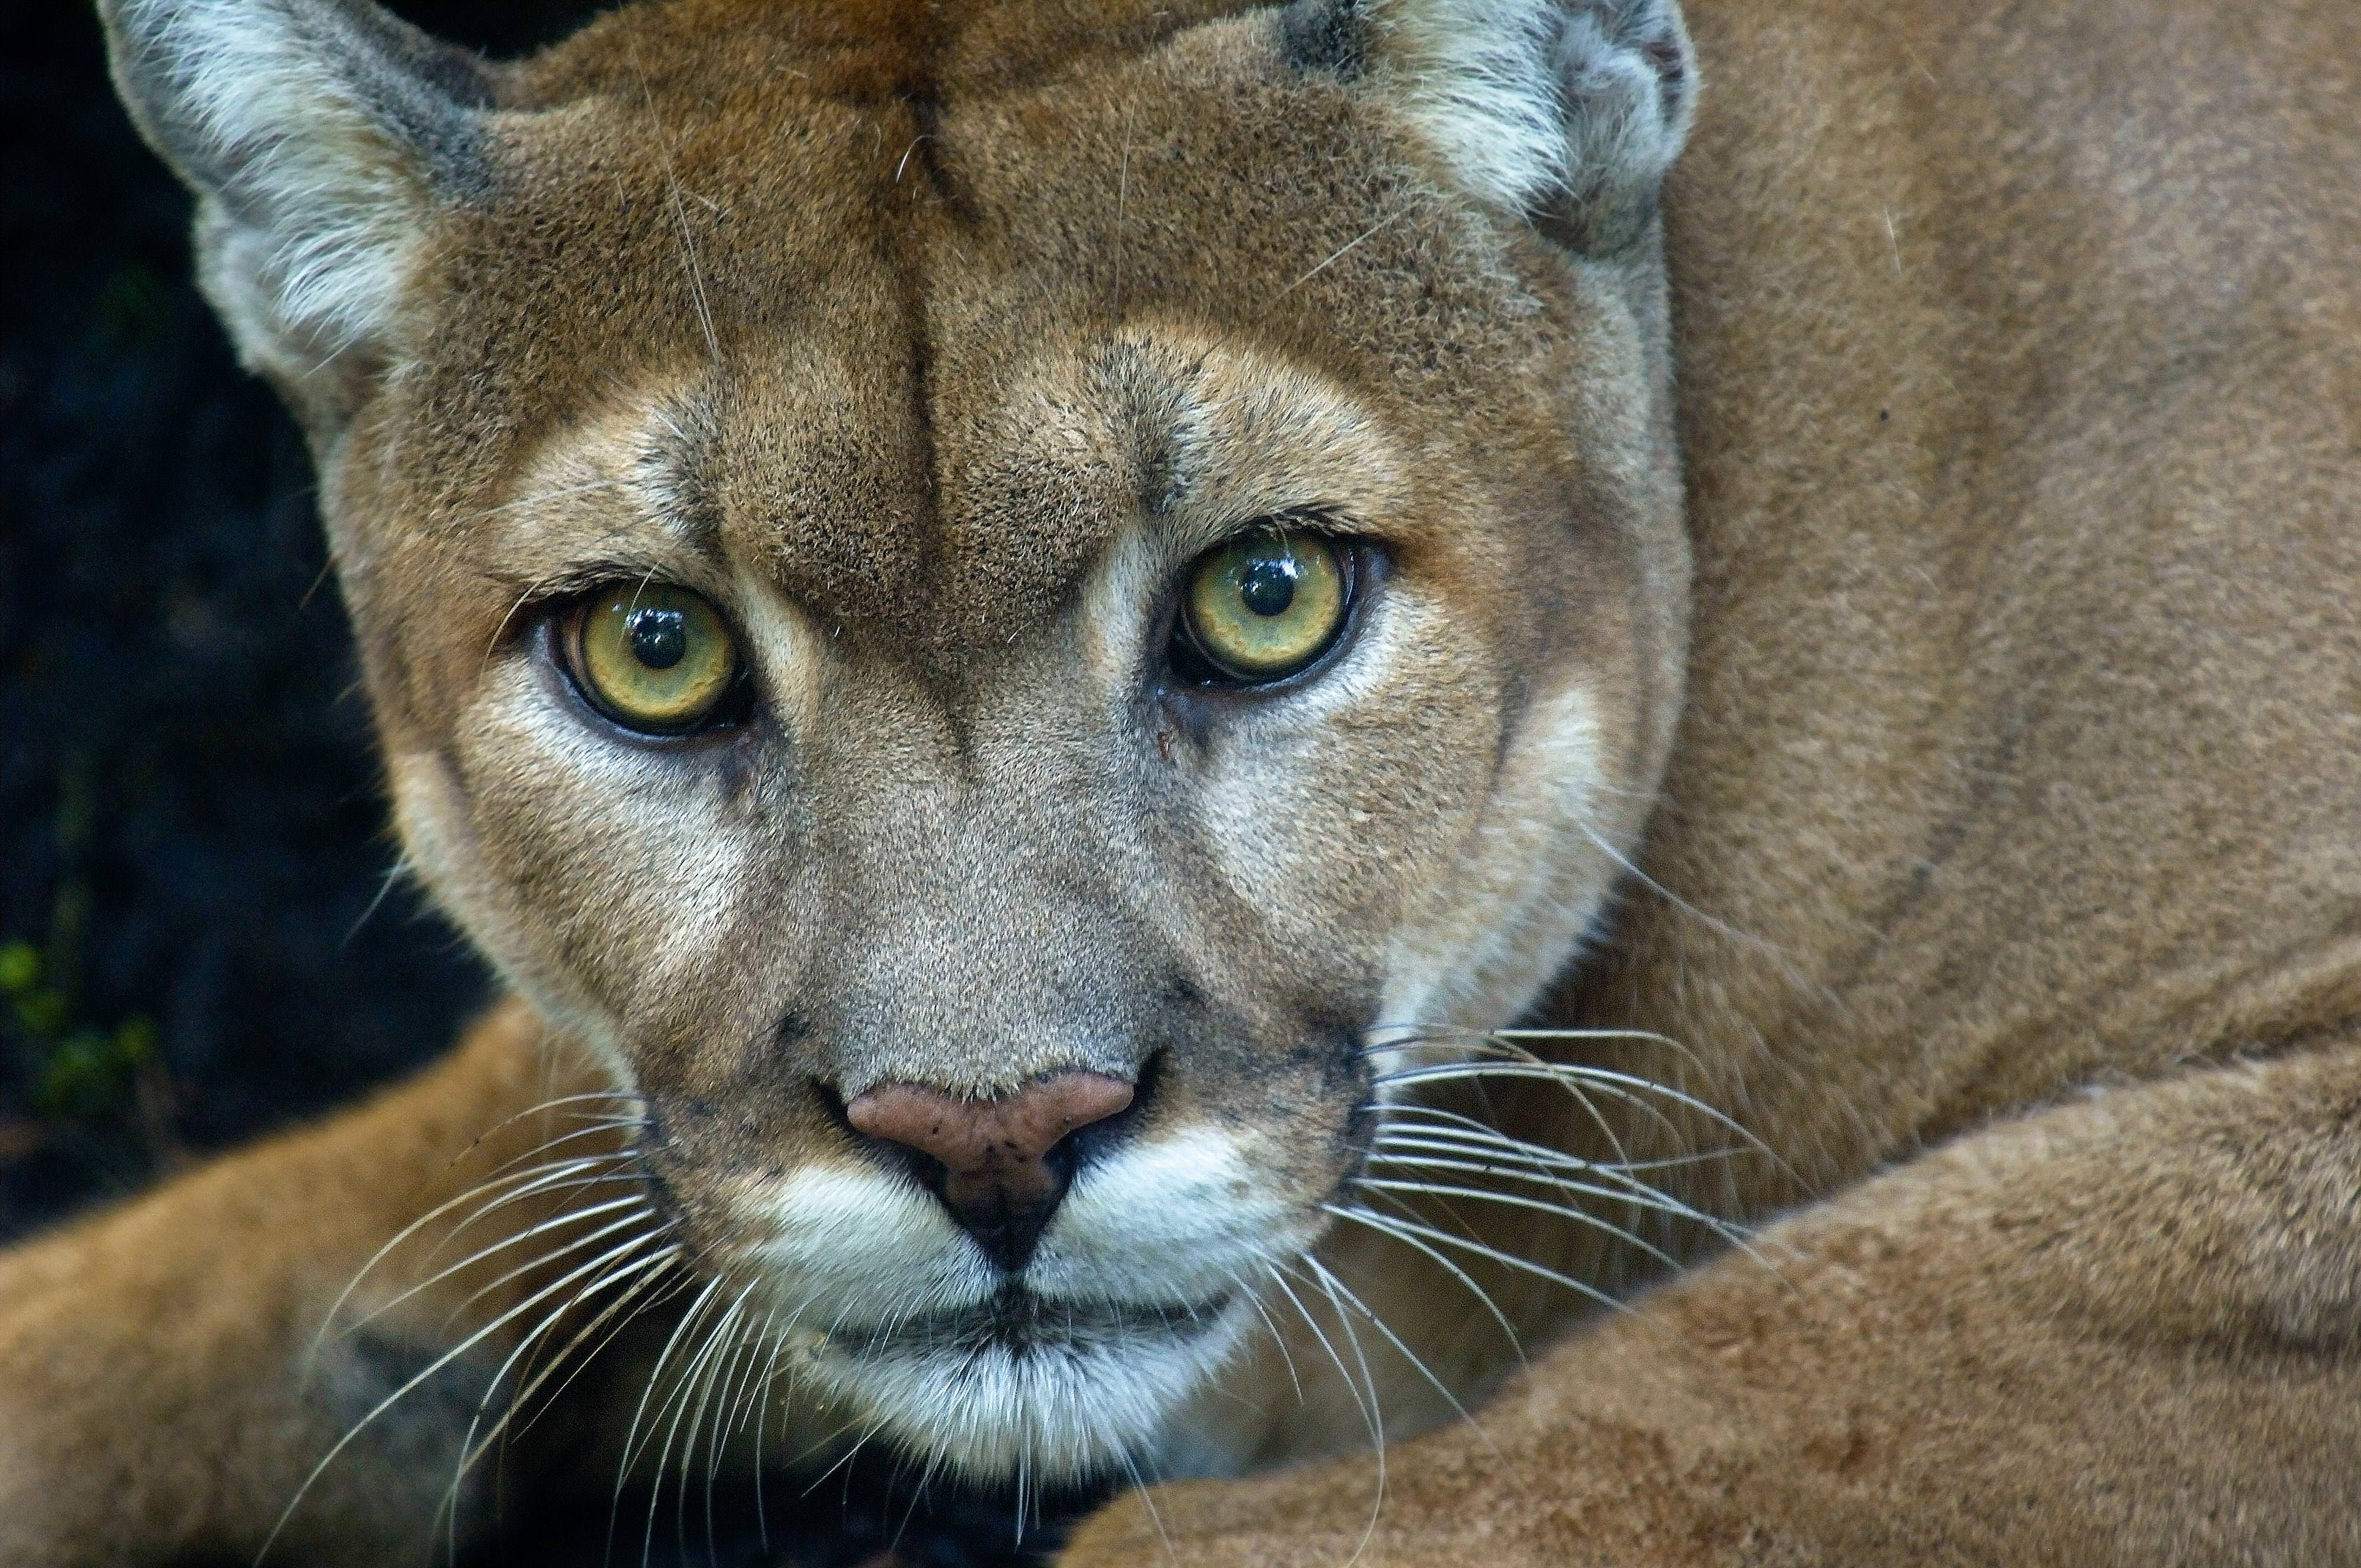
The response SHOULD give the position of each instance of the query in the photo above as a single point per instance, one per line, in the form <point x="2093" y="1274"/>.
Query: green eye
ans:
<point x="1266" y="604"/>
<point x="652" y="657"/>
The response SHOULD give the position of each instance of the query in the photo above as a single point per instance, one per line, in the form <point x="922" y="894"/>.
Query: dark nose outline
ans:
<point x="988" y="1159"/>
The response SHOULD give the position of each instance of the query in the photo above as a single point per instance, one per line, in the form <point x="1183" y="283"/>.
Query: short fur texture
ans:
<point x="1999" y="746"/>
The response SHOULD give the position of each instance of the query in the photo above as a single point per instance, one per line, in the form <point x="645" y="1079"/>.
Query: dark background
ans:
<point x="198" y="942"/>
<point x="193" y="944"/>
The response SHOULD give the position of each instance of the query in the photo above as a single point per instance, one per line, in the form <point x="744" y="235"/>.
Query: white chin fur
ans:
<point x="892" y="1302"/>
<point x="1050" y="1412"/>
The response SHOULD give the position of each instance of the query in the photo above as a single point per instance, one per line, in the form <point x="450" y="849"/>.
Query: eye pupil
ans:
<point x="659" y="638"/>
<point x="1262" y="606"/>
<point x="1267" y="585"/>
<point x="652" y="657"/>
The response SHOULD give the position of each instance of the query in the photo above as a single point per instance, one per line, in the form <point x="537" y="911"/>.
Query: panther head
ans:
<point x="980" y="599"/>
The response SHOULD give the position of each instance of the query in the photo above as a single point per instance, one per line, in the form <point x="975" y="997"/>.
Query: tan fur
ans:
<point x="167" y="1373"/>
<point x="2018" y="360"/>
<point x="2020" y="365"/>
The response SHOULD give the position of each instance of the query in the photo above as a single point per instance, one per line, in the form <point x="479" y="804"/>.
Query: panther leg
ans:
<point x="2124" y="1330"/>
<point x="166" y="1384"/>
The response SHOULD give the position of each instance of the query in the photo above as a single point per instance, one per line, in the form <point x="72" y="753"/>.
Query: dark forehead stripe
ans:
<point x="880" y="448"/>
<point x="792" y="158"/>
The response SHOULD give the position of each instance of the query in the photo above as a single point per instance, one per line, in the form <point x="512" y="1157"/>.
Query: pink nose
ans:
<point x="994" y="1152"/>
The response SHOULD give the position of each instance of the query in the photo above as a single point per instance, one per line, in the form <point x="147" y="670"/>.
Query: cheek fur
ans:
<point x="1528" y="882"/>
<point x="1329" y="809"/>
<point x="617" y="864"/>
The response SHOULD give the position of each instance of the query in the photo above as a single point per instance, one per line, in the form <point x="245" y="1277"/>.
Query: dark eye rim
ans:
<point x="1189" y="668"/>
<point x="562" y="626"/>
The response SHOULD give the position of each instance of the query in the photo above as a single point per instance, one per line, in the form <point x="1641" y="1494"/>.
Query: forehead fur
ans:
<point x="882" y="262"/>
<point x="873" y="51"/>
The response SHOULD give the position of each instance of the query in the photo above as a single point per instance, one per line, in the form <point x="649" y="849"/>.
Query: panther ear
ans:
<point x="317" y="134"/>
<point x="1567" y="110"/>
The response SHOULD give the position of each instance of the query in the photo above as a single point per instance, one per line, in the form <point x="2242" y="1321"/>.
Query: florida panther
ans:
<point x="1174" y="721"/>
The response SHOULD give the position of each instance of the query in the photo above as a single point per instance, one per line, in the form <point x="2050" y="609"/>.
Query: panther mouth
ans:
<point x="1026" y="1384"/>
<point x="1135" y="1297"/>
<point x="1018" y="1322"/>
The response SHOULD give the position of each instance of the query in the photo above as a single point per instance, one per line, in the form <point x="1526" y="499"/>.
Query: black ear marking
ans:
<point x="435" y="92"/>
<point x="1327" y="38"/>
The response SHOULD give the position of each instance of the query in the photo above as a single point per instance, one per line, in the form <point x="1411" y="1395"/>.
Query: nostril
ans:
<point x="1092" y="1142"/>
<point x="976" y="1137"/>
<point x="993" y="1152"/>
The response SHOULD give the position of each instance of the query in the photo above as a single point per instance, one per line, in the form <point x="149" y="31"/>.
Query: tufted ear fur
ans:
<point x="1568" y="110"/>
<point x="316" y="134"/>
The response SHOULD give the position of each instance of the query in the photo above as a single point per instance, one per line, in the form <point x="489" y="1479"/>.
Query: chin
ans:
<point x="1030" y="1387"/>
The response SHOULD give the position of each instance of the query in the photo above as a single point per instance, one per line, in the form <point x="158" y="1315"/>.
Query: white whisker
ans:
<point x="1397" y="1227"/>
<point x="1446" y="1154"/>
<point x="688" y="1319"/>
<point x="693" y="1375"/>
<point x="1254" y="1300"/>
<point x="1475" y="1289"/>
<point x="759" y="1413"/>
<point x="653" y="1271"/>
<point x="1335" y="1287"/>
<point x="470" y="1449"/>
<point x="1518" y="1201"/>
<point x="1446" y="1037"/>
<point x="1411" y="1114"/>
<point x="1350" y="245"/>
<point x="673" y="189"/>
<point x="559" y="1223"/>
<point x="1576" y="1082"/>
<point x="1147" y="1499"/>
<point x="1378" y="1425"/>
<point x="1433" y="1152"/>
<point x="730" y="1337"/>
<point x="437" y="1365"/>
<point x="498" y="1178"/>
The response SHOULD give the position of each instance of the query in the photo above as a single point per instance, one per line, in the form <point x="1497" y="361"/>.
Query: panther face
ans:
<point x="980" y="608"/>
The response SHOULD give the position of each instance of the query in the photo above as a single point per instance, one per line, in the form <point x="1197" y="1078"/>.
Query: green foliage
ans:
<point x="77" y="1070"/>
